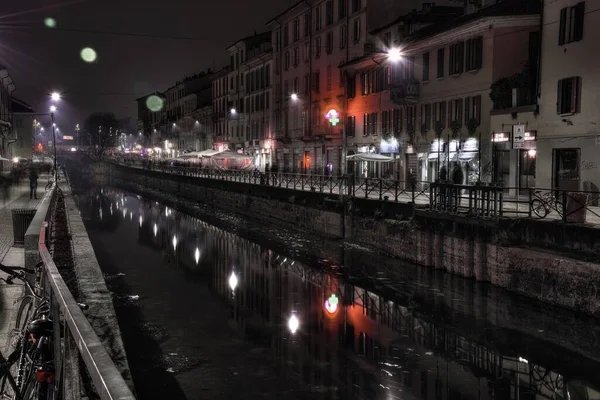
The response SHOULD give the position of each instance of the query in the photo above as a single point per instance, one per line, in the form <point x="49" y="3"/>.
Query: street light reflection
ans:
<point x="197" y="255"/>
<point x="155" y="230"/>
<point x="233" y="281"/>
<point x="293" y="323"/>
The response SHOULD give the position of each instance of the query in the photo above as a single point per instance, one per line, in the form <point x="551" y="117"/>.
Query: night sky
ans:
<point x="42" y="59"/>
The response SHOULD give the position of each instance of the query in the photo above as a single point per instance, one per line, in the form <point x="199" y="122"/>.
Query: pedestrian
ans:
<point x="33" y="181"/>
<point x="443" y="174"/>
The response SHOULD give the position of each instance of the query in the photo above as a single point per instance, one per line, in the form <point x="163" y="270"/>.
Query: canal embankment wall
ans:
<point x="91" y="287"/>
<point x="551" y="261"/>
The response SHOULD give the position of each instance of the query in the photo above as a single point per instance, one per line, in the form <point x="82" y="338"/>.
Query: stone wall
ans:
<point x="521" y="256"/>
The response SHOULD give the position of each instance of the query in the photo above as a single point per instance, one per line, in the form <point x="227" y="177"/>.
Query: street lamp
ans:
<point x="55" y="96"/>
<point x="52" y="108"/>
<point x="294" y="96"/>
<point x="394" y="55"/>
<point x="233" y="111"/>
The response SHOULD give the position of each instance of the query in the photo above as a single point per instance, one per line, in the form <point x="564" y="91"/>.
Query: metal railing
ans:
<point x="108" y="382"/>
<point x="482" y="201"/>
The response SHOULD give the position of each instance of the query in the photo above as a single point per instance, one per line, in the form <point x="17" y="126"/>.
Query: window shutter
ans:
<point x="459" y="111"/>
<point x="563" y="26"/>
<point x="579" y="17"/>
<point x="479" y="53"/>
<point x="449" y="112"/>
<point x="478" y="109"/>
<point x="469" y="52"/>
<point x="559" y="97"/>
<point x="575" y="94"/>
<point x="467" y="109"/>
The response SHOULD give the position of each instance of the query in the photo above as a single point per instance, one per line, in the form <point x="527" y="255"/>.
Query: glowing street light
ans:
<point x="394" y="55"/>
<point x="52" y="108"/>
<point x="233" y="111"/>
<point x="293" y="323"/>
<point x="294" y="96"/>
<point x="55" y="96"/>
<point x="233" y="281"/>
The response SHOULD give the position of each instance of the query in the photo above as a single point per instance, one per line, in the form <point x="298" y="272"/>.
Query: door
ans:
<point x="502" y="169"/>
<point x="566" y="169"/>
<point x="526" y="170"/>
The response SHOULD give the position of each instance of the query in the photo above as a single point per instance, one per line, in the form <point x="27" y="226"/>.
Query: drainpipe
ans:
<point x="539" y="57"/>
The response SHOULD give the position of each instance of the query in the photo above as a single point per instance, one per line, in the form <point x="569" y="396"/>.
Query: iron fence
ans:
<point x="77" y="338"/>
<point x="481" y="201"/>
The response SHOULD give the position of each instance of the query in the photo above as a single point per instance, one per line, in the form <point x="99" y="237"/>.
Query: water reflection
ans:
<point x="396" y="335"/>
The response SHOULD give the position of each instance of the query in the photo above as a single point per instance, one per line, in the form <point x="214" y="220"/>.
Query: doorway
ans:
<point x="566" y="174"/>
<point x="526" y="170"/>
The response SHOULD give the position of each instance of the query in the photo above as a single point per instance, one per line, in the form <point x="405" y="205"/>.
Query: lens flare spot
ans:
<point x="50" y="23"/>
<point x="88" y="55"/>
<point x="154" y="103"/>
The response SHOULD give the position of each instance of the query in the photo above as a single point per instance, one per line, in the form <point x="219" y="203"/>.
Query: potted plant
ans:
<point x="455" y="127"/>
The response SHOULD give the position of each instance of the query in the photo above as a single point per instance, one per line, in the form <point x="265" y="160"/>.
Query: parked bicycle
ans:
<point x="28" y="372"/>
<point x="543" y="204"/>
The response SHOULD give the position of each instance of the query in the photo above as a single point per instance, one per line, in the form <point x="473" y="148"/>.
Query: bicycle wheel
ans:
<point x="539" y="208"/>
<point x="558" y="206"/>
<point x="24" y="314"/>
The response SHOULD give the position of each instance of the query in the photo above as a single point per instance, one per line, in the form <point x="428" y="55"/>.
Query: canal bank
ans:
<point x="549" y="261"/>
<point x="402" y="331"/>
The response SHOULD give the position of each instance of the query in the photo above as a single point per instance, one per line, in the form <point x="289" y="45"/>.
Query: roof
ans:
<point x="502" y="9"/>
<point x="253" y="40"/>
<point x="221" y="73"/>
<point x="433" y="14"/>
<point x="287" y="10"/>
<point x="20" y="107"/>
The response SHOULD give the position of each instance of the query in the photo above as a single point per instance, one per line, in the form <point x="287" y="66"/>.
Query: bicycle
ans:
<point x="543" y="204"/>
<point x="32" y="356"/>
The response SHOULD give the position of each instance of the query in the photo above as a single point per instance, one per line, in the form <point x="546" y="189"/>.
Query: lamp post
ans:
<point x="54" y="141"/>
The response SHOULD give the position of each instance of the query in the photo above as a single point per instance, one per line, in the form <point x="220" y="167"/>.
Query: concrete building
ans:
<point x="7" y="86"/>
<point x="257" y="101"/>
<point x="568" y="136"/>
<point x="221" y="108"/>
<point x="24" y="127"/>
<point x="434" y="103"/>
<point x="310" y="40"/>
<point x="243" y="135"/>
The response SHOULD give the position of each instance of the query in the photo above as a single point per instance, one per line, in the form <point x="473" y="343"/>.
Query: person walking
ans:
<point x="33" y="181"/>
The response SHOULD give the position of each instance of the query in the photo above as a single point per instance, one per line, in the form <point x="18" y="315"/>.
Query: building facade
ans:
<point x="568" y="139"/>
<point x="221" y="108"/>
<point x="430" y="107"/>
<point x="24" y="126"/>
<point x="310" y="41"/>
<point x="7" y="86"/>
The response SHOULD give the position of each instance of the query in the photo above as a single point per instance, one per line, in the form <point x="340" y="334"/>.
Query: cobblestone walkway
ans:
<point x="18" y="197"/>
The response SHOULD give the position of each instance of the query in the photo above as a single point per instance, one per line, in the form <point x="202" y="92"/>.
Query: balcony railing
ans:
<point x="404" y="91"/>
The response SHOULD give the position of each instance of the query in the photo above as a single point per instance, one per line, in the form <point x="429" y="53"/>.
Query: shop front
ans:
<point x="514" y="160"/>
<point x="391" y="148"/>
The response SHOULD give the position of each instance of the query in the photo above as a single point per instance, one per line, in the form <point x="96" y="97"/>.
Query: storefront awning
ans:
<point x="467" y="155"/>
<point x="369" y="157"/>
<point x="453" y="157"/>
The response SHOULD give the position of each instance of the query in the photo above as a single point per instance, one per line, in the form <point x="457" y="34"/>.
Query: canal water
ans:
<point x="242" y="311"/>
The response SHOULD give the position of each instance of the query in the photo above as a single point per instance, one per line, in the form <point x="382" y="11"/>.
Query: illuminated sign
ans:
<point x="68" y="137"/>
<point x="500" y="137"/>
<point x="333" y="117"/>
<point x="331" y="304"/>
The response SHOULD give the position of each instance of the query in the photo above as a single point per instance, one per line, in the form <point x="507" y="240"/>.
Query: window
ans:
<point x="342" y="77"/>
<point x="351" y="87"/>
<point x="356" y="30"/>
<point x="351" y="126"/>
<point x="455" y="107"/>
<point x="474" y="58"/>
<point x="306" y="84"/>
<point x="286" y="35"/>
<point x="296" y="88"/>
<point x="440" y="63"/>
<point x="385" y="122"/>
<point x="317" y="18"/>
<point x="329" y="77"/>
<point x="318" y="47"/>
<point x="306" y="52"/>
<point x="329" y="12"/>
<point x="268" y="75"/>
<point x="306" y="24"/>
<point x="473" y="109"/>
<point x="425" y="117"/>
<point x="316" y="81"/>
<point x="286" y="60"/>
<point x="397" y="121"/>
<point x="356" y="5"/>
<point x="329" y="42"/>
<point x="567" y="101"/>
<point x="425" y="67"/>
<point x="343" y="36"/>
<point x="387" y="40"/>
<point x="296" y="27"/>
<point x="365" y="83"/>
<point x="342" y="8"/>
<point x="296" y="56"/>
<point x="456" y="59"/>
<point x="571" y="24"/>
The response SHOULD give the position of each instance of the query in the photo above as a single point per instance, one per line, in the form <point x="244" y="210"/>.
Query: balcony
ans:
<point x="404" y="92"/>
